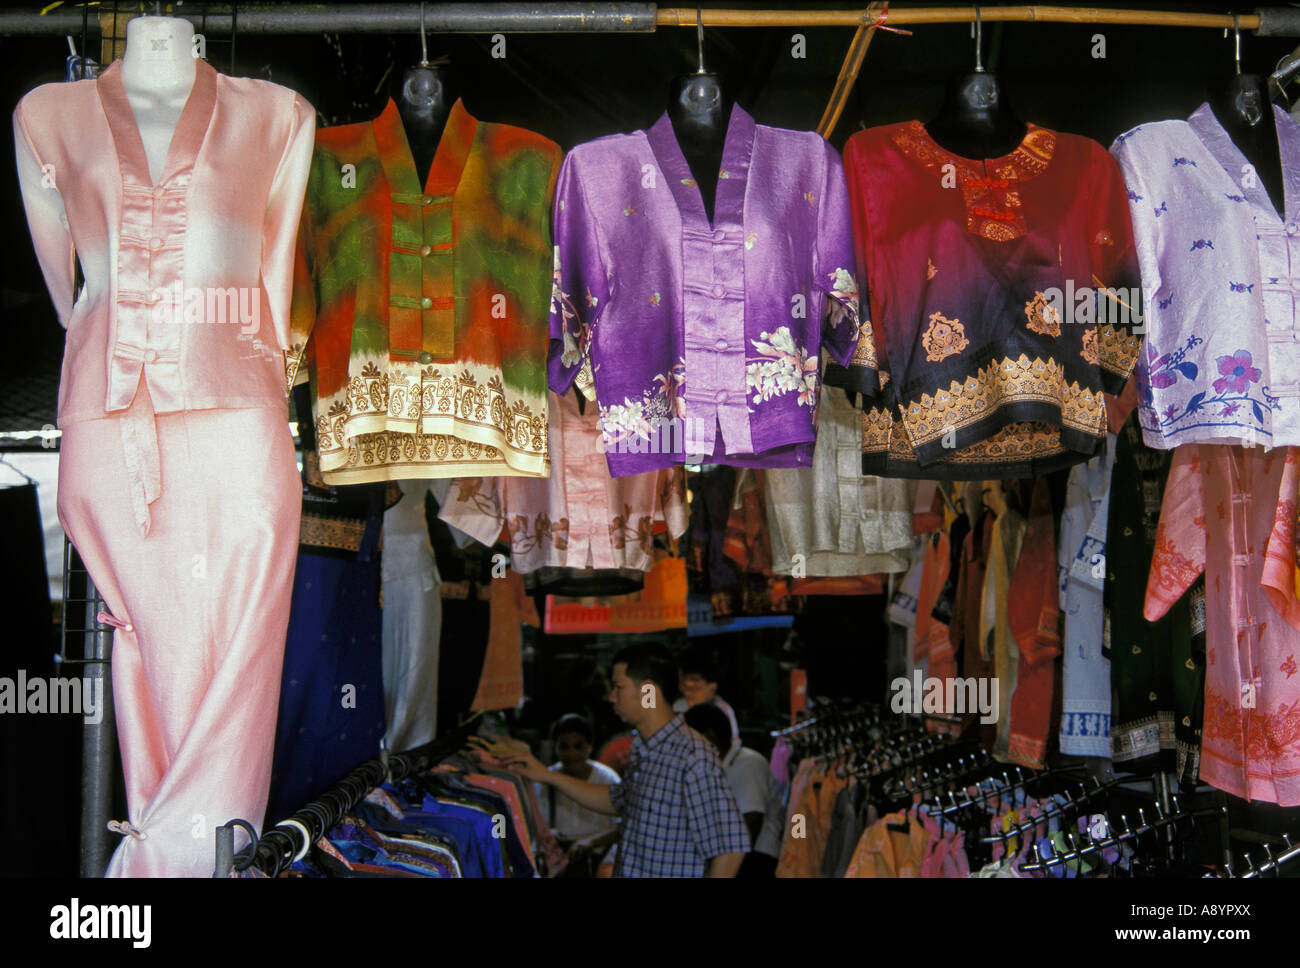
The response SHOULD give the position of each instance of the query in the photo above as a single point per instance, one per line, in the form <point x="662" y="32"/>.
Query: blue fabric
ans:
<point x="334" y="640"/>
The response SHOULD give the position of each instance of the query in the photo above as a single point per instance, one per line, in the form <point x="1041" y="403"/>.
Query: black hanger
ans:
<point x="699" y="107"/>
<point x="1241" y="105"/>
<point x="424" y="96"/>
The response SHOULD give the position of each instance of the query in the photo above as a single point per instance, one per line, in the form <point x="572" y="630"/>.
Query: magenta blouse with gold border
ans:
<point x="704" y="339"/>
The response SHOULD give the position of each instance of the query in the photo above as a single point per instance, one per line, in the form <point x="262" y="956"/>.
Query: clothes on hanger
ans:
<point x="699" y="338"/>
<point x="1213" y="247"/>
<point x="1229" y="513"/>
<point x="836" y="521"/>
<point x="427" y="304"/>
<point x="972" y="268"/>
<point x="579" y="517"/>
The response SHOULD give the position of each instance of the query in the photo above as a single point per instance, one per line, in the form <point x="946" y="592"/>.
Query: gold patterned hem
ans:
<point x="396" y="456"/>
<point x="1002" y="383"/>
<point x="344" y="534"/>
<point x="1016" y="443"/>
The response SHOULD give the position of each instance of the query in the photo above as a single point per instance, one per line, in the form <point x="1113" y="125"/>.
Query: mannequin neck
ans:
<point x="699" y="108"/>
<point x="974" y="120"/>
<point x="158" y="54"/>
<point x="424" y="100"/>
<point x="1241" y="106"/>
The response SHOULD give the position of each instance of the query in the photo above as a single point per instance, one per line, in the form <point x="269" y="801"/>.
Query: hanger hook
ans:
<point x="699" y="39"/>
<point x="1236" y="42"/>
<point x="424" y="40"/>
<point x="977" y="31"/>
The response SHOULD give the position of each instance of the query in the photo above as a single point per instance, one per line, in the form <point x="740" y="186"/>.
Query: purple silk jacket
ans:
<point x="701" y="342"/>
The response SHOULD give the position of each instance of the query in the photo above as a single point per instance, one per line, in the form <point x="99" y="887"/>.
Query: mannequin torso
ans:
<point x="700" y="110"/>
<point x="1241" y="105"/>
<point x="424" y="100"/>
<point x="974" y="121"/>
<point x="158" y="73"/>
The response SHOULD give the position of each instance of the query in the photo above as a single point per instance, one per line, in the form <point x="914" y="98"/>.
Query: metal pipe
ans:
<point x="380" y="18"/>
<point x="394" y="18"/>
<point x="98" y="744"/>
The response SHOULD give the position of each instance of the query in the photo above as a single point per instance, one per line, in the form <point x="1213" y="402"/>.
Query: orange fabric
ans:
<point x="501" y="684"/>
<point x="882" y="852"/>
<point x="661" y="604"/>
<point x="846" y="585"/>
<point x="802" y="856"/>
<point x="932" y="635"/>
<point x="1033" y="612"/>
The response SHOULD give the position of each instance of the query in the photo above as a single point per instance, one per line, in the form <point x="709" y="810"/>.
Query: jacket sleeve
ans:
<point x="579" y="289"/>
<point x="1180" y="537"/>
<point x="38" y="179"/>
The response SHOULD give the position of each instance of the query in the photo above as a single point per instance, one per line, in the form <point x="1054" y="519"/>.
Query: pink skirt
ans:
<point x="204" y="596"/>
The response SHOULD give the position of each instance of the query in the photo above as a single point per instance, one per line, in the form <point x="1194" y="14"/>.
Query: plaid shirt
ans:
<point x="678" y="811"/>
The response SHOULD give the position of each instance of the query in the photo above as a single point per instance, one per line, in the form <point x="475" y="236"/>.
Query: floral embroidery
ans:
<point x="1232" y="388"/>
<point x="629" y="210"/>
<point x="654" y="299"/>
<point x="1044" y="318"/>
<point x="1289" y="666"/>
<point x="1089" y="350"/>
<point x="543" y="532"/>
<point x="577" y="334"/>
<point x="1103" y="238"/>
<point x="843" y="287"/>
<point x="783" y="366"/>
<point x="623" y="534"/>
<point x="640" y="418"/>
<point x="944" y="338"/>
<point x="688" y="182"/>
<point x="810" y="198"/>
<point x="1235" y="372"/>
<point x="930" y="269"/>
<point x="750" y="239"/>
<point x="723" y="173"/>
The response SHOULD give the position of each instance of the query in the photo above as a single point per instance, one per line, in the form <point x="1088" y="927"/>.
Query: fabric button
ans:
<point x="1292" y="229"/>
<point x="154" y="296"/>
<point x="151" y="356"/>
<point x="427" y="200"/>
<point x="719" y="291"/>
<point x="719" y="235"/>
<point x="425" y="249"/>
<point x="157" y="191"/>
<point x="720" y="396"/>
<point x="1151" y="696"/>
<point x="1137" y="650"/>
<point x="155" y="243"/>
<point x="426" y="303"/>
<point x="720" y="345"/>
<point x="426" y="357"/>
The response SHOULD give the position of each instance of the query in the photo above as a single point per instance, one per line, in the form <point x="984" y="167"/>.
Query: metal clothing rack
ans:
<point x="290" y="839"/>
<point x="82" y="605"/>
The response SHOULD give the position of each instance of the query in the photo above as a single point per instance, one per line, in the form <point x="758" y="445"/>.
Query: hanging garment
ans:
<point x="501" y="684"/>
<point x="412" y="623"/>
<point x="993" y="370"/>
<point x="1212" y="247"/>
<point x="427" y="308"/>
<point x="1229" y="512"/>
<point x="579" y="517"/>
<point x="1157" y="668"/>
<point x="177" y="476"/>
<point x="1081" y="567"/>
<point x="698" y="338"/>
<point x="331" y="709"/>
<point x="837" y="522"/>
<point x="997" y="646"/>
<point x="1033" y="618"/>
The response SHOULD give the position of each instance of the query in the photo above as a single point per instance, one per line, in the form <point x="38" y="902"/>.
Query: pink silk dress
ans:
<point x="178" y="481"/>
<point x="1229" y="512"/>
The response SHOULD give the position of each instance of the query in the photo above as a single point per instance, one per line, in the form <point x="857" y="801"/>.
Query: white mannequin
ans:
<point x="158" y="73"/>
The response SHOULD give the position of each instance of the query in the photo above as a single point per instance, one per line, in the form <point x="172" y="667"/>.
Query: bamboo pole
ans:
<point x="903" y="16"/>
<point x="848" y="75"/>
